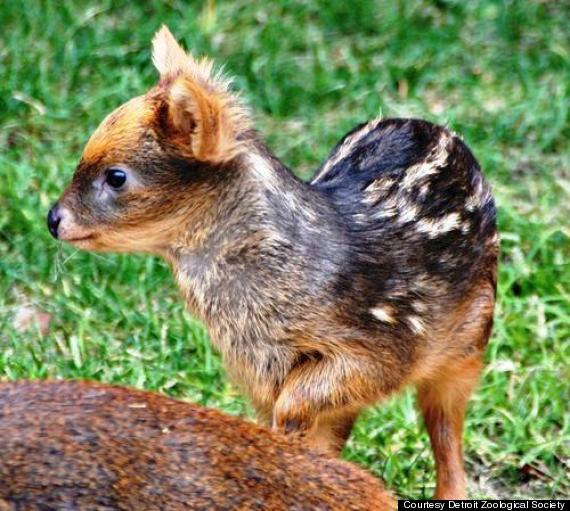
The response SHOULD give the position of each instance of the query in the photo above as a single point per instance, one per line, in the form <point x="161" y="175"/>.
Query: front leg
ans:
<point x="333" y="429"/>
<point x="327" y="386"/>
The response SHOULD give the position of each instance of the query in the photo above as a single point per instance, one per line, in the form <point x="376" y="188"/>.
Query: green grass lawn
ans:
<point x="496" y="72"/>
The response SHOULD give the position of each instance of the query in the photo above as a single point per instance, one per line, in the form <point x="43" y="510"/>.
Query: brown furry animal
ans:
<point x="322" y="297"/>
<point x="87" y="446"/>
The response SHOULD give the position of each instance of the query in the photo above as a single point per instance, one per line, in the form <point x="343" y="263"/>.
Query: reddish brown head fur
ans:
<point x="166" y="142"/>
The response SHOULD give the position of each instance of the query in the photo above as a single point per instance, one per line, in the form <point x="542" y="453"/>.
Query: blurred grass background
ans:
<point x="497" y="72"/>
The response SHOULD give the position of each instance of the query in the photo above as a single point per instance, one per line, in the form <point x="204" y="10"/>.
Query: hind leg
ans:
<point x="443" y="399"/>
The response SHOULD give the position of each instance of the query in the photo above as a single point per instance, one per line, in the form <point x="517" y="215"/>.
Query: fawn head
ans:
<point x="153" y="164"/>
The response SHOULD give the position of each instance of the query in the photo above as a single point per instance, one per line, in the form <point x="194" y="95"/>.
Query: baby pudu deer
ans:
<point x="86" y="446"/>
<point x="322" y="297"/>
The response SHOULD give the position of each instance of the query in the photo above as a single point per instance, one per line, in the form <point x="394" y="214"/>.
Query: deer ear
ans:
<point x="167" y="55"/>
<point x="206" y="116"/>
<point x="205" y="120"/>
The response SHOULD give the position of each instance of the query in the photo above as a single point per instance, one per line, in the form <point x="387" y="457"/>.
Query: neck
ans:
<point x="257" y="246"/>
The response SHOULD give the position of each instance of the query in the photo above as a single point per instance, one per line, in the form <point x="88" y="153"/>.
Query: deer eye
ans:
<point x="115" y="178"/>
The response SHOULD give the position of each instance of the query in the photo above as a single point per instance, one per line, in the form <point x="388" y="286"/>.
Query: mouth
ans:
<point x="78" y="239"/>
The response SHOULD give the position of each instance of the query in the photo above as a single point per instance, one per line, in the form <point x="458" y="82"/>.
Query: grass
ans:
<point x="496" y="72"/>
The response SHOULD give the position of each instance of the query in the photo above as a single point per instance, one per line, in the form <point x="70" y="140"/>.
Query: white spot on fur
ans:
<point x="408" y="213"/>
<point x="384" y="313"/>
<point x="388" y="208"/>
<point x="434" y="227"/>
<point x="416" y="324"/>
<point x="474" y="200"/>
<point x="398" y="205"/>
<point x="419" y="306"/>
<point x="481" y="194"/>
<point x="376" y="190"/>
<point x="347" y="146"/>
<point x="432" y="163"/>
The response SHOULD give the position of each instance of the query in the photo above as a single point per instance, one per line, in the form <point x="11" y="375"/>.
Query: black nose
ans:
<point x="53" y="220"/>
